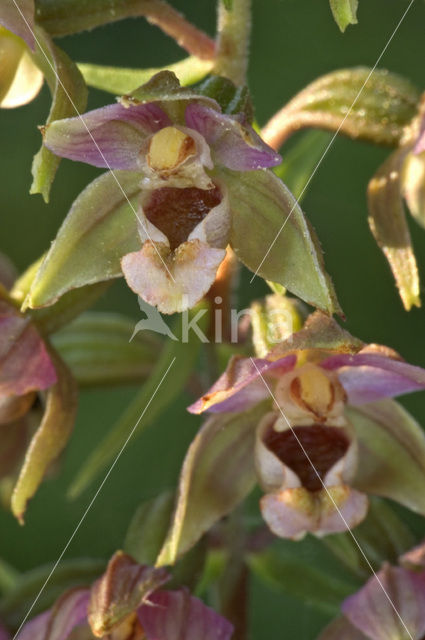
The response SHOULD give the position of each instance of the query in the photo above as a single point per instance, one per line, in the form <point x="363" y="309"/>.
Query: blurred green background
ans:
<point x="294" y="41"/>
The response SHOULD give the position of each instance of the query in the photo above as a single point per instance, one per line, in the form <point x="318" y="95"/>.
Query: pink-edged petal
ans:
<point x="369" y="377"/>
<point x="176" y="615"/>
<point x="234" y="146"/>
<point x="240" y="386"/>
<point x="388" y="604"/>
<point x="36" y="628"/>
<point x="25" y="364"/>
<point x="18" y="17"/>
<point x="420" y="143"/>
<point x="69" y="612"/>
<point x="109" y="137"/>
<point x="292" y="513"/>
<point x="172" y="281"/>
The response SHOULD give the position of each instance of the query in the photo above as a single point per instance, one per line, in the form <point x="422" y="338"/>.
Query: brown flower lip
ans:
<point x="323" y="445"/>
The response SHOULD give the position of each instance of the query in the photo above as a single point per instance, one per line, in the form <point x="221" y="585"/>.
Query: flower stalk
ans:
<point x="234" y="30"/>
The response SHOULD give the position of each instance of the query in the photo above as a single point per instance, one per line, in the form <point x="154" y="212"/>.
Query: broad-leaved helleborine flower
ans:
<point x="202" y="182"/>
<point x="125" y="604"/>
<point x="327" y="391"/>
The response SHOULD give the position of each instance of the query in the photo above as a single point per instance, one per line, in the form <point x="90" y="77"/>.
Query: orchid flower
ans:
<point x="391" y="605"/>
<point x="125" y="604"/>
<point x="202" y="181"/>
<point x="328" y="392"/>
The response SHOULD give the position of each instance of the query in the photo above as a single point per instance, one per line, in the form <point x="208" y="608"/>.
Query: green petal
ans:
<point x="99" y="229"/>
<point x="217" y="474"/>
<point x="271" y="236"/>
<point x="344" y="12"/>
<point x="387" y="220"/>
<point x="49" y="440"/>
<point x="391" y="453"/>
<point x="69" y="98"/>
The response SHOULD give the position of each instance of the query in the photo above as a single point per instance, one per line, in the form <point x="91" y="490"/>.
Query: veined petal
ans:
<point x="388" y="224"/>
<point x="415" y="558"/>
<point x="172" y="281"/>
<point x="18" y="17"/>
<point x="123" y="587"/>
<point x="369" y="377"/>
<point x="109" y="137"/>
<point x="292" y="513"/>
<point x="68" y="612"/>
<point x="240" y="386"/>
<point x="389" y="604"/>
<point x="235" y="146"/>
<point x="25" y="364"/>
<point x="176" y="615"/>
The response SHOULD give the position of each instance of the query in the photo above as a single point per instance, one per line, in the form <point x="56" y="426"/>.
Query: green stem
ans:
<point x="64" y="17"/>
<point x="234" y="29"/>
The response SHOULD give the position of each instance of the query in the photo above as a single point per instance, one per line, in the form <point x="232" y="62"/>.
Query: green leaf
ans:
<point x="391" y="453"/>
<point x="153" y="397"/>
<point x="99" y="229"/>
<point x="344" y="12"/>
<point x="68" y="574"/>
<point x="98" y="349"/>
<point x="271" y="236"/>
<point x="228" y="4"/>
<point x="373" y="106"/>
<point x="148" y="528"/>
<point x="69" y="98"/>
<point x="285" y="573"/>
<point x="300" y="162"/>
<point x="119" y="80"/>
<point x="49" y="440"/>
<point x="387" y="221"/>
<point x="217" y="474"/>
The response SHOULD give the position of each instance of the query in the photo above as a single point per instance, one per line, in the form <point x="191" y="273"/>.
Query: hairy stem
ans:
<point x="64" y="17"/>
<point x="234" y="29"/>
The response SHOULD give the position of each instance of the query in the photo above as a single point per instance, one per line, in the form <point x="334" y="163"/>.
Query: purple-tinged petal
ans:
<point x="25" y="364"/>
<point x="119" y="592"/>
<point x="234" y="146"/>
<point x="109" y="137"/>
<point x="18" y="17"/>
<point x="341" y="629"/>
<point x="369" y="377"/>
<point x="36" y="628"/>
<point x="389" y="604"/>
<point x="172" y="281"/>
<point x="3" y="633"/>
<point x="176" y="615"/>
<point x="69" y="612"/>
<point x="241" y="386"/>
<point x="420" y="143"/>
<point x="292" y="513"/>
